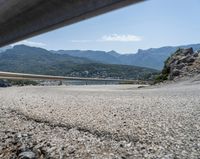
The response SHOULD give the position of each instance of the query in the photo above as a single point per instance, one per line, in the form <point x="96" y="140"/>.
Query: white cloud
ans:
<point x="112" y="38"/>
<point x="29" y="43"/>
<point x="120" y="38"/>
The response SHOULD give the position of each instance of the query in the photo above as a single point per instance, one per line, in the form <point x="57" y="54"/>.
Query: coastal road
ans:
<point x="112" y="121"/>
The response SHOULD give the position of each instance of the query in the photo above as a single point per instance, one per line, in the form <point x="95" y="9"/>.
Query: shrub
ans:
<point x="22" y="82"/>
<point x="164" y="73"/>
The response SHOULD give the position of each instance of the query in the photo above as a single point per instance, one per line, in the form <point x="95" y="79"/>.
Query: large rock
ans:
<point x="184" y="62"/>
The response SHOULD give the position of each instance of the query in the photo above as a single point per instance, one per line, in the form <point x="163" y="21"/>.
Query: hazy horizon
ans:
<point x="100" y="50"/>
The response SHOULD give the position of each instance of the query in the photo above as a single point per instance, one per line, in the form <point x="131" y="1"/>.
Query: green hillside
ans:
<point x="25" y="59"/>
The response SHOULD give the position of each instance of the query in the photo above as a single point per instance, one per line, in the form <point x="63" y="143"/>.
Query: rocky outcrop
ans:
<point x="183" y="63"/>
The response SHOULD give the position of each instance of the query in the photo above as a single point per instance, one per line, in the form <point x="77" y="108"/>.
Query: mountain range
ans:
<point x="2" y="49"/>
<point x="88" y="63"/>
<point x="26" y="59"/>
<point x="151" y="58"/>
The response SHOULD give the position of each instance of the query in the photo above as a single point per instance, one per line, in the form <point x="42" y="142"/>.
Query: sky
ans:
<point x="151" y="24"/>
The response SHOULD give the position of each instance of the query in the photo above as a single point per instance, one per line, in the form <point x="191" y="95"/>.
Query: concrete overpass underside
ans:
<point x="20" y="19"/>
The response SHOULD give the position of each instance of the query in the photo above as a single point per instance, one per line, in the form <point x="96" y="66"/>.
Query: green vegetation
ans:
<point x="24" y="59"/>
<point x="22" y="82"/>
<point x="112" y="71"/>
<point x="8" y="83"/>
<point x="163" y="76"/>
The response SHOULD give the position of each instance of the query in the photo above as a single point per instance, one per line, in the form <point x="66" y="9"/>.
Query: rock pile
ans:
<point x="183" y="63"/>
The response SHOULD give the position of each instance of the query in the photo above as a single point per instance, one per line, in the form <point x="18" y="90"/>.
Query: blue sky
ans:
<point x="150" y="24"/>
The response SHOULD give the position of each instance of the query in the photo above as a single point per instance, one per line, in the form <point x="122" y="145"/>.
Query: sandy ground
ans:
<point x="108" y="121"/>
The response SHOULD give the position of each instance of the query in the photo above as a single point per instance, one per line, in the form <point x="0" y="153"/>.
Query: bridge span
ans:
<point x="21" y="19"/>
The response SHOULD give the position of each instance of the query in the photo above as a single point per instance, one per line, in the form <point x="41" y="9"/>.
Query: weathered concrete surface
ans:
<point x="20" y="19"/>
<point x="102" y="122"/>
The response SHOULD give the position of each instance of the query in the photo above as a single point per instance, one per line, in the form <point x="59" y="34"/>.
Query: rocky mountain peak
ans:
<point x="184" y="62"/>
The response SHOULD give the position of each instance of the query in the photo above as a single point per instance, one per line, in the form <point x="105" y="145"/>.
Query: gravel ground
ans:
<point x="112" y="121"/>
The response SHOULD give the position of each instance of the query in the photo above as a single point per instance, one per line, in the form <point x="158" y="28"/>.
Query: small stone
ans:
<point x="121" y="145"/>
<point x="188" y="51"/>
<point x="182" y="60"/>
<point x="175" y="72"/>
<point x="27" y="155"/>
<point x="180" y="66"/>
<point x="190" y="59"/>
<point x="195" y="55"/>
